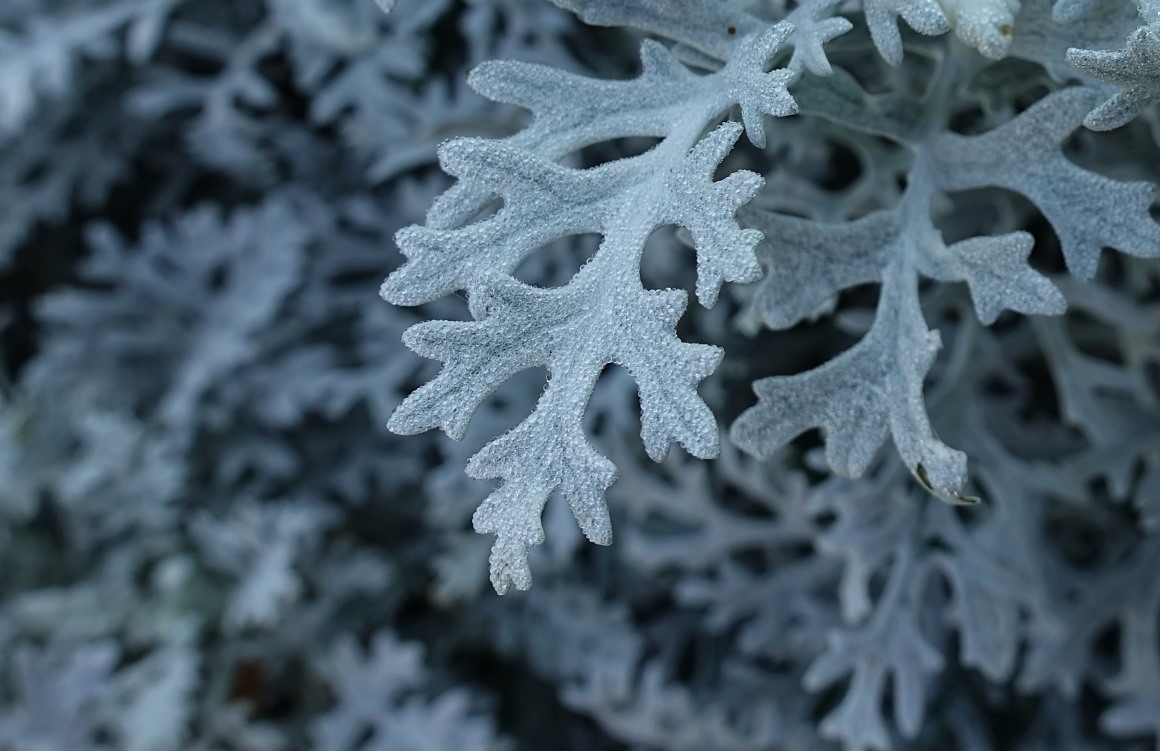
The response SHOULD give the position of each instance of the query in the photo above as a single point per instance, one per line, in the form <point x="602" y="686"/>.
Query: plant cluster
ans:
<point x="916" y="503"/>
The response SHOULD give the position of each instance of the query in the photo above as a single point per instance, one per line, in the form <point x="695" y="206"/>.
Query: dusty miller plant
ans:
<point x="916" y="503"/>
<point x="766" y="62"/>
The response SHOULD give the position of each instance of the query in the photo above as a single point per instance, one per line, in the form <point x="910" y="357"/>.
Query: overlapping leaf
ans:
<point x="875" y="389"/>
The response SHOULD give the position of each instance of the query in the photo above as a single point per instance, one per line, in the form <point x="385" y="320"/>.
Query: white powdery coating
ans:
<point x="986" y="25"/>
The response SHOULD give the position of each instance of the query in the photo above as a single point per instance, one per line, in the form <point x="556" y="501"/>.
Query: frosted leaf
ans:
<point x="546" y="201"/>
<point x="868" y="392"/>
<point x="43" y="62"/>
<point x="814" y="25"/>
<point x="193" y="298"/>
<point x="526" y="327"/>
<point x="987" y="615"/>
<point x="263" y="251"/>
<point x="924" y="16"/>
<point x="377" y="697"/>
<point x="998" y="276"/>
<point x="261" y="545"/>
<point x="1044" y="39"/>
<point x="571" y="112"/>
<point x="156" y="700"/>
<point x="760" y="93"/>
<point x="603" y="315"/>
<point x="888" y="647"/>
<point x="1135" y="70"/>
<point x="122" y="479"/>
<point x="709" y="27"/>
<point x="46" y="171"/>
<point x="549" y="201"/>
<point x="840" y="98"/>
<point x="1110" y="404"/>
<point x="61" y="696"/>
<point x="994" y="574"/>
<point x="1088" y="211"/>
<point x="811" y="262"/>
